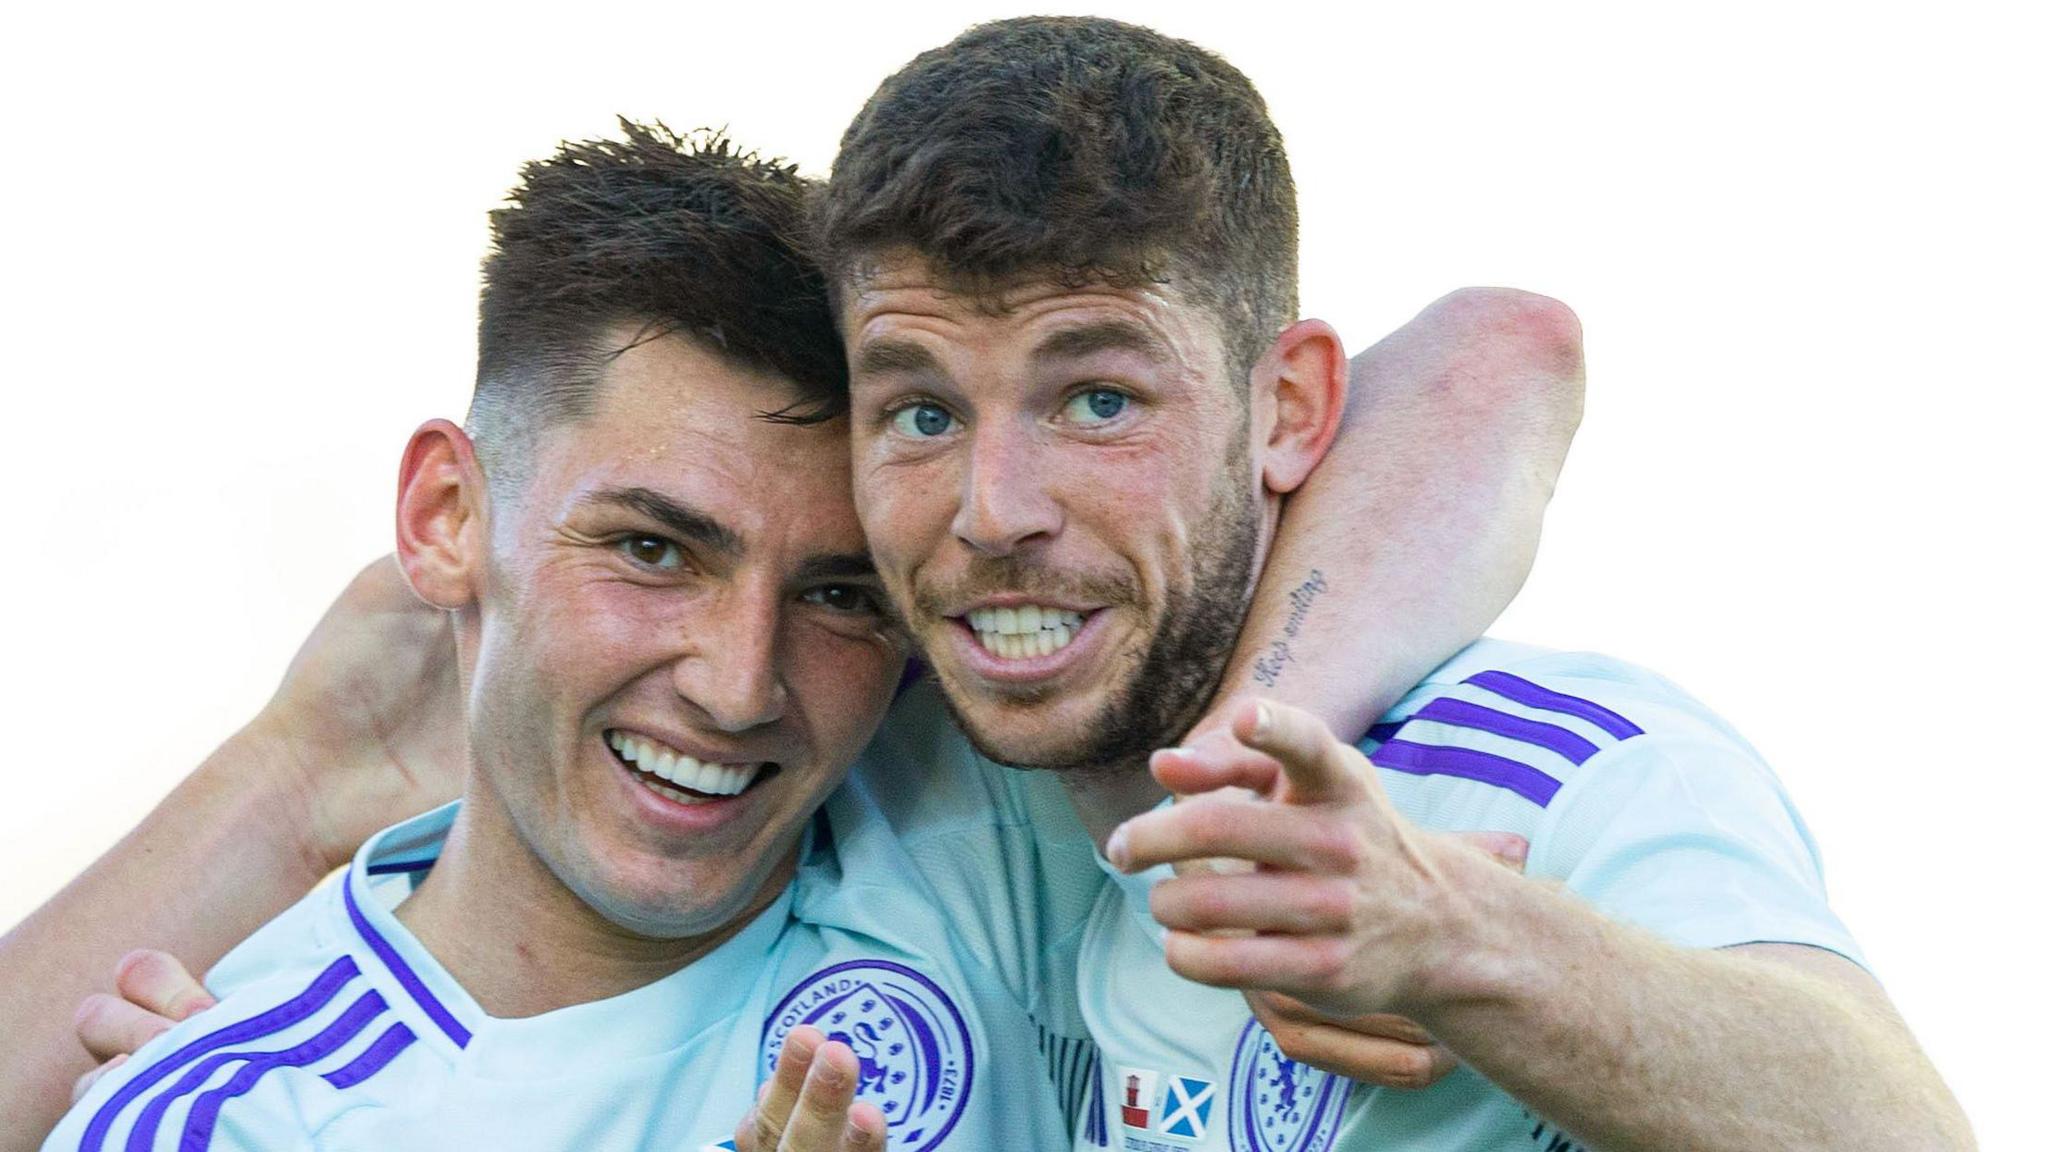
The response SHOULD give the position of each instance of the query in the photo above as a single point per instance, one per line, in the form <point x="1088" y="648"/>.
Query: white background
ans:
<point x="1807" y="245"/>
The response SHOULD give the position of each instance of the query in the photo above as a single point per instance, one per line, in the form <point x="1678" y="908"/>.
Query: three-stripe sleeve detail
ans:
<point x="300" y="1008"/>
<point x="1402" y="750"/>
<point x="205" y="1113"/>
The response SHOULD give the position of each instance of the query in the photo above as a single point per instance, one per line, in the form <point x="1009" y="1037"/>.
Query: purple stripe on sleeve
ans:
<point x="400" y="866"/>
<point x="1536" y="696"/>
<point x="1430" y="760"/>
<point x="383" y="1050"/>
<point x="143" y="1136"/>
<point x="305" y="1004"/>
<point x="199" y="1123"/>
<point x="1382" y="732"/>
<point x="406" y="977"/>
<point x="1465" y="714"/>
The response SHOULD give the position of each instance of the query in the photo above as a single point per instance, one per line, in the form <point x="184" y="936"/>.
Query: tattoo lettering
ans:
<point x="1266" y="669"/>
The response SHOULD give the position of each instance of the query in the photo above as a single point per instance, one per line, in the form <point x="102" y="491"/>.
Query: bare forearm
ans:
<point x="219" y="857"/>
<point x="1421" y="523"/>
<point x="1628" y="1042"/>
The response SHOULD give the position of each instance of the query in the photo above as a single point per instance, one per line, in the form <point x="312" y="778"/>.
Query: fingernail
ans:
<point x="1118" y="851"/>
<point x="1262" y="719"/>
<point x="859" y="1137"/>
<point x="828" y="1075"/>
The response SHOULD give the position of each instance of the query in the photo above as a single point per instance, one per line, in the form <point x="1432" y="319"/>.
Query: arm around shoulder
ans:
<point x="1421" y="521"/>
<point x="363" y="731"/>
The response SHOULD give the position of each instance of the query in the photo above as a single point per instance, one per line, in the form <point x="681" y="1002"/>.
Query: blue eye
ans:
<point x="922" y="421"/>
<point x="1095" y="406"/>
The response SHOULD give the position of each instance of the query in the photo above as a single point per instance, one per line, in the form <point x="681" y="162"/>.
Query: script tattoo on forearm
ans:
<point x="1279" y="654"/>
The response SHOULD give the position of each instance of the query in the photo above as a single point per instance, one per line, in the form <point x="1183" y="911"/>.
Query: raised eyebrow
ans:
<point x="1103" y="336"/>
<point x="888" y="354"/>
<point x="684" y="521"/>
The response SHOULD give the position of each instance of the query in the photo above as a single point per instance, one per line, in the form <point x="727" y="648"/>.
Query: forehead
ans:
<point x="674" y="418"/>
<point x="899" y="308"/>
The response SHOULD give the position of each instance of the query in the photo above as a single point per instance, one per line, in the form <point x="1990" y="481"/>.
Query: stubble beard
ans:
<point x="1178" y="673"/>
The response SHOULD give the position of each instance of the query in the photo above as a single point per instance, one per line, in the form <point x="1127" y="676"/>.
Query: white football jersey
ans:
<point x="1631" y="794"/>
<point x="336" y="1029"/>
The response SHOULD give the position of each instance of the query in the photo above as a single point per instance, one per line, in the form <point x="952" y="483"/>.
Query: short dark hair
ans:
<point x="654" y="233"/>
<point x="1083" y="149"/>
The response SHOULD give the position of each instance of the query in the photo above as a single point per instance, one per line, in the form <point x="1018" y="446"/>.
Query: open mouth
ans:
<point x="1026" y="631"/>
<point x="681" y="778"/>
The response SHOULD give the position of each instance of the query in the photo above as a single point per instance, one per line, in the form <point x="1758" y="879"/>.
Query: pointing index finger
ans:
<point x="1310" y="757"/>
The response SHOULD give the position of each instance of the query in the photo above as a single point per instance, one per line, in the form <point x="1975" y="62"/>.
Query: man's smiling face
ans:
<point x="678" y="643"/>
<point x="1059" y="492"/>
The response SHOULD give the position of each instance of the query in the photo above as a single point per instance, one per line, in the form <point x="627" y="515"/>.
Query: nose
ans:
<point x="733" y="670"/>
<point x="1004" y="499"/>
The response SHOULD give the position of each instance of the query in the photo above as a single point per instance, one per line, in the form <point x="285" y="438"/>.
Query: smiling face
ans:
<point x="676" y="644"/>
<point x="1060" y="495"/>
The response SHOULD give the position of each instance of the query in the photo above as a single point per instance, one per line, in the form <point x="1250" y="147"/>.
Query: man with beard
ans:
<point x="1063" y="255"/>
<point x="532" y="541"/>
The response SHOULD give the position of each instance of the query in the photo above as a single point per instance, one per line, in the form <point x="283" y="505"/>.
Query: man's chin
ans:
<point x="1057" y="734"/>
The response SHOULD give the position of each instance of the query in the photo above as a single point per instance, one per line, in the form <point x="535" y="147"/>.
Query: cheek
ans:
<point x="1126" y="494"/>
<point x="902" y="509"/>
<point x="845" y="686"/>
<point x="577" y="648"/>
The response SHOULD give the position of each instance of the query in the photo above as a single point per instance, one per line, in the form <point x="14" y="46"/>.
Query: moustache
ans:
<point x="996" y="575"/>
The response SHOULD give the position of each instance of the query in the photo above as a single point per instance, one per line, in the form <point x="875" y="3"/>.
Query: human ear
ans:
<point x="1298" y="390"/>
<point x="441" y="533"/>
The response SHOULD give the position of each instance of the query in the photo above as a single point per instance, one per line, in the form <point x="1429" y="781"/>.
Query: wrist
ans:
<point x="1484" y="946"/>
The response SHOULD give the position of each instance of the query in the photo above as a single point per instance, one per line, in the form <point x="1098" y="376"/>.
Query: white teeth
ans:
<point x="683" y="771"/>
<point x="1021" y="633"/>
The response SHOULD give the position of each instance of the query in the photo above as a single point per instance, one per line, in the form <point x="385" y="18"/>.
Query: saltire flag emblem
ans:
<point x="1185" y="1112"/>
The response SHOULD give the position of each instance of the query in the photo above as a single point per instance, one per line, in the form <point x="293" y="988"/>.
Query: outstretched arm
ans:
<point x="364" y="731"/>
<point x="1621" y="1038"/>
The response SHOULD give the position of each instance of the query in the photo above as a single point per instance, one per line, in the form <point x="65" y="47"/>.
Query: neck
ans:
<point x="520" y="942"/>
<point x="1106" y="796"/>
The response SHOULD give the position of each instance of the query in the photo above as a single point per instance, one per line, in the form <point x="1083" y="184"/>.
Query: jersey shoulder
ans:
<point x="1630" y="792"/>
<point x="300" y="1034"/>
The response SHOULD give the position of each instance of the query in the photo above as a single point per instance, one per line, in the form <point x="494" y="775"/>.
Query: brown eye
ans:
<point x="651" y="551"/>
<point x="844" y="598"/>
